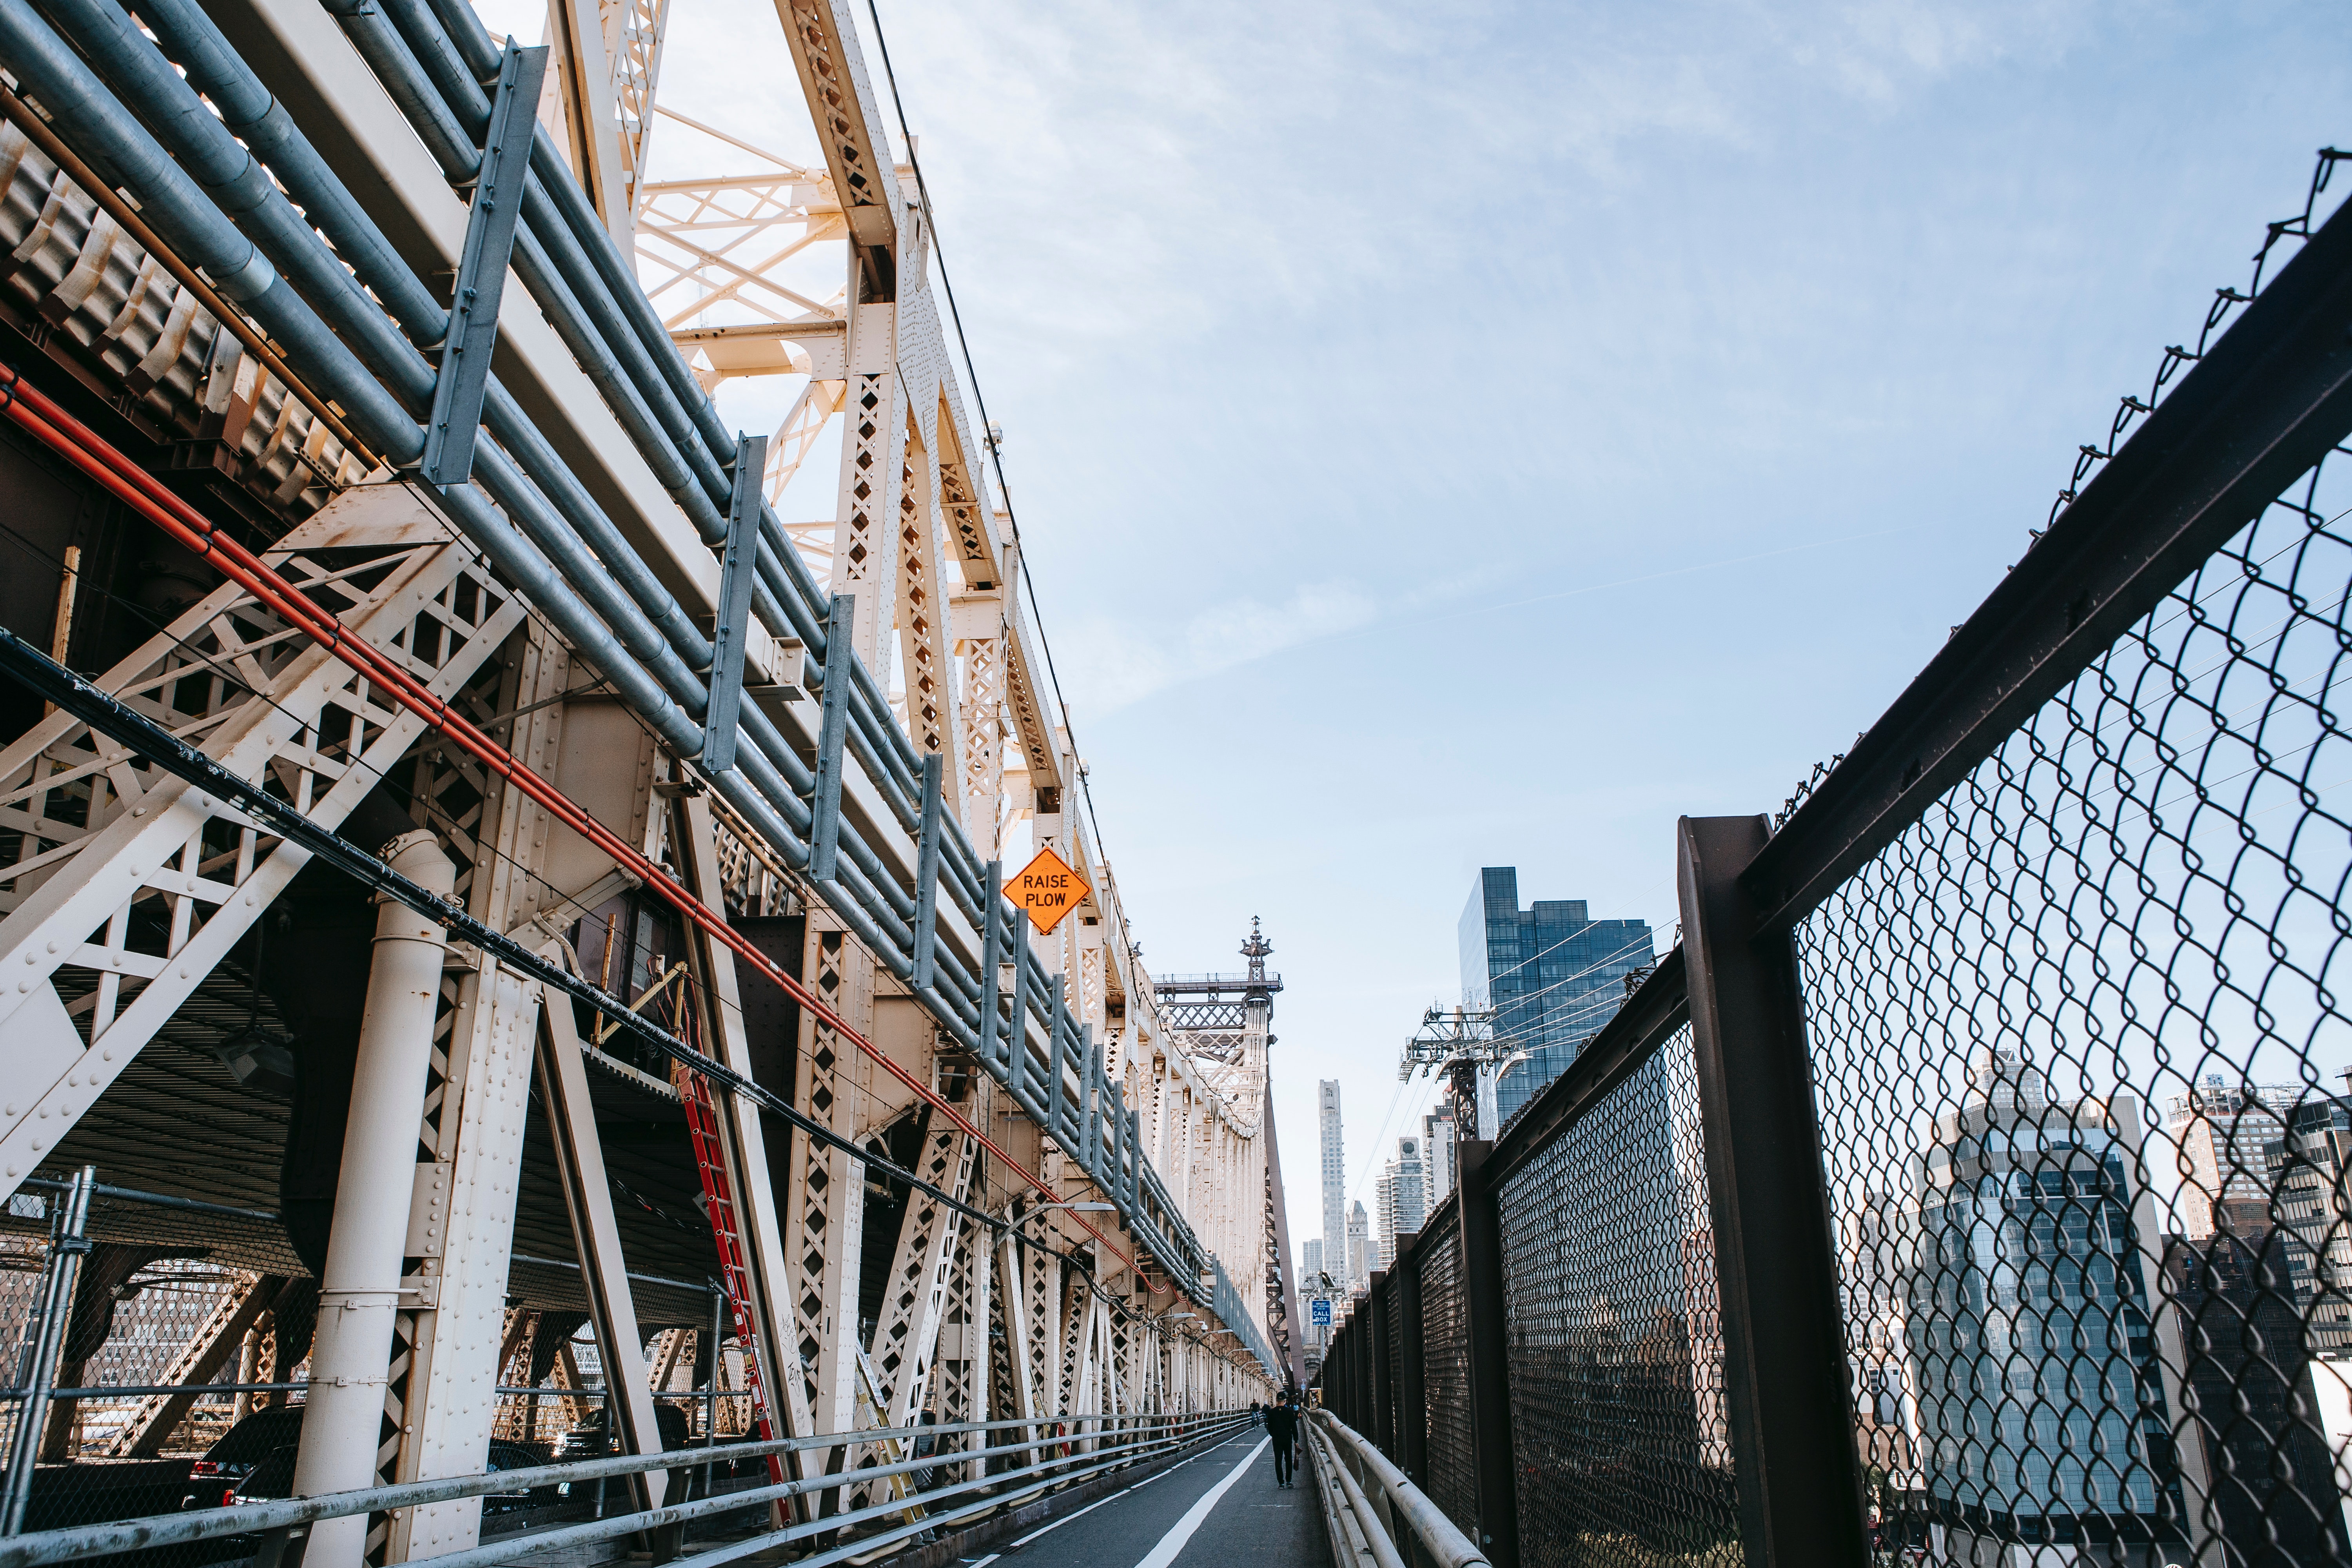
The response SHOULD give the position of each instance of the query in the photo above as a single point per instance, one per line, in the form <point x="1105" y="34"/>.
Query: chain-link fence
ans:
<point x="1978" y="1172"/>
<point x="2080" y="1035"/>
<point x="1450" y="1474"/>
<point x="1616" y="1360"/>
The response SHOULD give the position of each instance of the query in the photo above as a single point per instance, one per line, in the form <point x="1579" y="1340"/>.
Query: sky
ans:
<point x="1446" y="435"/>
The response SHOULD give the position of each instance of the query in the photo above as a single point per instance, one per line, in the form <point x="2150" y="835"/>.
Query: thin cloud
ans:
<point x="1111" y="663"/>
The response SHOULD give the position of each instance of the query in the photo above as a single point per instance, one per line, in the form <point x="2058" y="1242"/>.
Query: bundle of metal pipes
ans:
<point x="357" y="323"/>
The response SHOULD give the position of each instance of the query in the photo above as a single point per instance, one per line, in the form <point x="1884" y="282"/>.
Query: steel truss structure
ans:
<point x="700" y="812"/>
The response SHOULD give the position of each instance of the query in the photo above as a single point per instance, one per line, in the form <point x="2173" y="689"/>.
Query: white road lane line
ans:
<point x="1092" y="1506"/>
<point x="1162" y="1555"/>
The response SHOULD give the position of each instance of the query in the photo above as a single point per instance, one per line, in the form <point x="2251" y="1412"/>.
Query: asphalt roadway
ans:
<point x="1219" y="1508"/>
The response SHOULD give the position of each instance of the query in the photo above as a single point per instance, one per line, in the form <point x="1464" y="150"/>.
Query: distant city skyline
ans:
<point x="1897" y="368"/>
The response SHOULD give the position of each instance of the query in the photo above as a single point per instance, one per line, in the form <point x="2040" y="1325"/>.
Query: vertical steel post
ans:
<point x="1784" y="1362"/>
<point x="991" y="957"/>
<point x="1411" y="1401"/>
<point x="1055" y="1051"/>
<point x="1016" y="1038"/>
<point x="731" y="627"/>
<point x="66" y="1252"/>
<point x="1489" y="1348"/>
<point x="465" y="374"/>
<point x="927" y="878"/>
<point x="1088" y="1113"/>
<point x="711" y="1390"/>
<point x="1384" y="1411"/>
<point x="832" y="733"/>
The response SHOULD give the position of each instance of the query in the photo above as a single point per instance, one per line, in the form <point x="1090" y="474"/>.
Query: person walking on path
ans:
<point x="1282" y="1426"/>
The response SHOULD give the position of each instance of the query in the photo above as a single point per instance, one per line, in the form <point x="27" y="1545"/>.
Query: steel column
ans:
<point x="1784" y="1361"/>
<point x="1489" y="1353"/>
<point x="359" y="1291"/>
<point x="630" y="1427"/>
<point x="1382" y="1431"/>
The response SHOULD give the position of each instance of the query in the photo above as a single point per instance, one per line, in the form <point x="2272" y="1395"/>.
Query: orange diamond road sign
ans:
<point x="1048" y="890"/>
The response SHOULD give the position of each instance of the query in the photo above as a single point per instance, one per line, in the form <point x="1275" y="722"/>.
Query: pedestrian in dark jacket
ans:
<point x="1282" y="1426"/>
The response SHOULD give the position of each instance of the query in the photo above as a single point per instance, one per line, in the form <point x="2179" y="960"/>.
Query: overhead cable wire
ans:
<point x="101" y="461"/>
<point x="108" y="716"/>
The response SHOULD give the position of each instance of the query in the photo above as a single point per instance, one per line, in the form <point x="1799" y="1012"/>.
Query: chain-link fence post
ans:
<point x="1412" y="1453"/>
<point x="1488" y="1339"/>
<point x="1377" y="1307"/>
<point x="40" y="1371"/>
<point x="1786" y="1384"/>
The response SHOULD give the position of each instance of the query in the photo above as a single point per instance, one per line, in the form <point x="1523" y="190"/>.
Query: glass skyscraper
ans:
<point x="1553" y="973"/>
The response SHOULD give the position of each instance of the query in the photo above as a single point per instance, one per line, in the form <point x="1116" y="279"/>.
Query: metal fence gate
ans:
<point x="1973" y="1183"/>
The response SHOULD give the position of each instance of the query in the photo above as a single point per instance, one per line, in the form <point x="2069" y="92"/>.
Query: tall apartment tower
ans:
<point x="1335" y="1182"/>
<point x="1402" y="1201"/>
<point x="1360" y="1248"/>
<point x="1553" y="973"/>
<point x="1437" y="1159"/>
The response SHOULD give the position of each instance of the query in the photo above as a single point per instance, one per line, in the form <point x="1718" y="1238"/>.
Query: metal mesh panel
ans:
<point x="1445" y="1378"/>
<point x="1616" y="1348"/>
<point x="2080" y="1038"/>
<point x="1393" y="1311"/>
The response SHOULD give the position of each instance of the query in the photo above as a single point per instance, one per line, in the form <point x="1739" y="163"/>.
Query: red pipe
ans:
<point x="89" y="452"/>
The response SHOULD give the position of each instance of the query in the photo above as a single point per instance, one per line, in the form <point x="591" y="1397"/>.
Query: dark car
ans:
<point x="273" y="1477"/>
<point x="228" y="1462"/>
<point x="253" y="1461"/>
<point x="589" y="1441"/>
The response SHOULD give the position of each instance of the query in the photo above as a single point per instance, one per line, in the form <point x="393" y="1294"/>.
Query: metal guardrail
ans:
<point x="1377" y="1518"/>
<point x="1069" y="1456"/>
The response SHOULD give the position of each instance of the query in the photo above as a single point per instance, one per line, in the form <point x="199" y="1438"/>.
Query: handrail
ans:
<point x="1401" y="1514"/>
<point x="1129" y="1440"/>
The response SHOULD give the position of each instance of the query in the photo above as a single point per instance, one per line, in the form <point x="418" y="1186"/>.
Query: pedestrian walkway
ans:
<point x="1220" y="1506"/>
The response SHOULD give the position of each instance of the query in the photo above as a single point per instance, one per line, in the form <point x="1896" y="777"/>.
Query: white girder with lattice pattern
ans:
<point x="824" y="1198"/>
<point x="906" y="1339"/>
<point x="128" y="886"/>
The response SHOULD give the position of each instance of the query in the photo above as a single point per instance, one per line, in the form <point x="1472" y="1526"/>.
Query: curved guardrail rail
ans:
<point x="1057" y="1457"/>
<point x="1377" y="1518"/>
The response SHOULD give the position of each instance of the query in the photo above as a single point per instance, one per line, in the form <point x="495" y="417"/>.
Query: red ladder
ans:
<point x="725" y="1229"/>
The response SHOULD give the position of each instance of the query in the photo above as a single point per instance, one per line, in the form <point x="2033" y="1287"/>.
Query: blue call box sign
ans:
<point x="1318" y="1312"/>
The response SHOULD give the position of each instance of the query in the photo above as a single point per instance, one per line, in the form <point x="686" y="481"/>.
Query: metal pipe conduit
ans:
<point x="238" y="185"/>
<point x="553" y="182"/>
<point x="785" y="584"/>
<point x="562" y="273"/>
<point x="250" y="111"/>
<point x="172" y="202"/>
<point x="141" y="70"/>
<point x="668" y="701"/>
<point x="213" y="67"/>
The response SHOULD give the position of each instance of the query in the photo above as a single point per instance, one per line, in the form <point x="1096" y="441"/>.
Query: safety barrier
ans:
<point x="880" y="1492"/>
<point x="1973" y="1170"/>
<point x="1375" y="1517"/>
